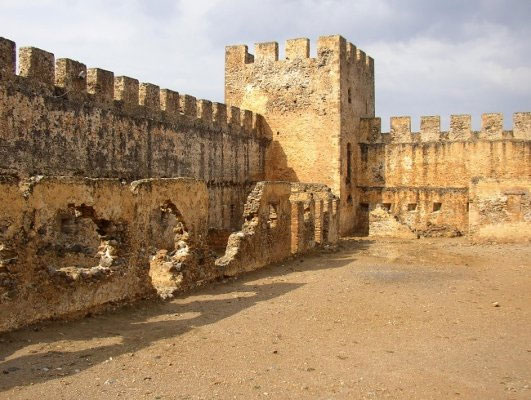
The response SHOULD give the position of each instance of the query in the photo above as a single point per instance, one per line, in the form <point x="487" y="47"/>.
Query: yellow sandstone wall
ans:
<point x="311" y="106"/>
<point x="410" y="172"/>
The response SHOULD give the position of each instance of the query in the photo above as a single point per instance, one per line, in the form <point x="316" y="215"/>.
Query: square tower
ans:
<point x="312" y="109"/>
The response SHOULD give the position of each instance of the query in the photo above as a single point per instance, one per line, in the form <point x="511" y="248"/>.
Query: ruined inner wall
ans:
<point x="423" y="178"/>
<point x="311" y="107"/>
<point x="59" y="118"/>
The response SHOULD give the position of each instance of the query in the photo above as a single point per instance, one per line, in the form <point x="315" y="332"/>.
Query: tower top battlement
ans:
<point x="333" y="47"/>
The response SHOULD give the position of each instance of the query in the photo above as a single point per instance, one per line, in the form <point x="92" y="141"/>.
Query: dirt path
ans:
<point x="378" y="319"/>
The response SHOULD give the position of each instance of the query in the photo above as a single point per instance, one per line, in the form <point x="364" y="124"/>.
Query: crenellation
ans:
<point x="149" y="96"/>
<point x="522" y="125"/>
<point x="233" y="117"/>
<point x="430" y="128"/>
<point x="246" y="120"/>
<point x="219" y="114"/>
<point x="188" y="105"/>
<point x="266" y="52"/>
<point x="370" y="65"/>
<point x="297" y="49"/>
<point x="37" y="64"/>
<point x="361" y="57"/>
<point x="491" y="126"/>
<point x="460" y="127"/>
<point x="258" y="124"/>
<point x="100" y="83"/>
<point x="331" y="48"/>
<point x="169" y="102"/>
<point x="238" y="55"/>
<point x="8" y="57"/>
<point x="204" y="112"/>
<point x="351" y="53"/>
<point x="126" y="90"/>
<point x="401" y="129"/>
<point x="71" y="75"/>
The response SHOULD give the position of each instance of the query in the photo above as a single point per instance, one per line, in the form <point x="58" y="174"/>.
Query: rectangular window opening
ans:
<point x="412" y="206"/>
<point x="437" y="206"/>
<point x="386" y="206"/>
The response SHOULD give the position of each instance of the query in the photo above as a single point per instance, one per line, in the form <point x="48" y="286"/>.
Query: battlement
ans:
<point x="460" y="129"/>
<point x="72" y="81"/>
<point x="328" y="48"/>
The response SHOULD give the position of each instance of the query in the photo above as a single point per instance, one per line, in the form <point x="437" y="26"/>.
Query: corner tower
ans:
<point x="312" y="109"/>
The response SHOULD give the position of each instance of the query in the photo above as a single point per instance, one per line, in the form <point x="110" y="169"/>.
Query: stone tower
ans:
<point x="312" y="109"/>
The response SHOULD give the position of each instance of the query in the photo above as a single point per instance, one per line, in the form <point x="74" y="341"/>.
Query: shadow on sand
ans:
<point x="138" y="326"/>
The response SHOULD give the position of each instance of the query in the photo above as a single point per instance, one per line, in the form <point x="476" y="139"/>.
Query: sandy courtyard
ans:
<point x="423" y="319"/>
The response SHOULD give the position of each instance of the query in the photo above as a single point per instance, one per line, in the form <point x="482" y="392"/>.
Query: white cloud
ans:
<point x="431" y="57"/>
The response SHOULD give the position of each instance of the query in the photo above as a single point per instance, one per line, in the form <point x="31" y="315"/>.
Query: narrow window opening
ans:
<point x="349" y="96"/>
<point x="412" y="206"/>
<point x="437" y="206"/>
<point x="349" y="164"/>
<point x="349" y="200"/>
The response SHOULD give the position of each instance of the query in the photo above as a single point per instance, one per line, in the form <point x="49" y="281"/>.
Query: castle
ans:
<point x="115" y="190"/>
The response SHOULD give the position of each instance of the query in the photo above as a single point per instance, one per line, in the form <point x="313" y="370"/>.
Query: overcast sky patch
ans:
<point x="431" y="57"/>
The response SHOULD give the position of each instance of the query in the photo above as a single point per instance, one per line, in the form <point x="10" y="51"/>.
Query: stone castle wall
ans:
<point x="312" y="107"/>
<point x="59" y="118"/>
<point x="423" y="178"/>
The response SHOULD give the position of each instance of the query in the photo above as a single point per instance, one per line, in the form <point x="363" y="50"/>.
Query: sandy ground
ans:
<point x="378" y="319"/>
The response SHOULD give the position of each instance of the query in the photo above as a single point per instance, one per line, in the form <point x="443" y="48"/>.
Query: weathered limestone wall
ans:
<point x="265" y="234"/>
<point x="412" y="212"/>
<point x="280" y="220"/>
<point x="312" y="107"/>
<point x="59" y="118"/>
<point x="69" y="245"/>
<point x="500" y="209"/>
<point x="419" y="170"/>
<point x="357" y="102"/>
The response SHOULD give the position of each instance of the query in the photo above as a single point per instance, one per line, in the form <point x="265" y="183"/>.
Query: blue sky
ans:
<point x="431" y="57"/>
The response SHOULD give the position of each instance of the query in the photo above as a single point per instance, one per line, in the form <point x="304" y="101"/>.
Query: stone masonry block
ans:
<point x="100" y="83"/>
<point x="126" y="90"/>
<point x="430" y="128"/>
<point x="237" y="55"/>
<point x="169" y="101"/>
<point x="246" y="120"/>
<point x="491" y="126"/>
<point x="333" y="47"/>
<point x="297" y="48"/>
<point x="149" y="96"/>
<point x="219" y="112"/>
<point x="71" y="75"/>
<point x="204" y="111"/>
<point x="460" y="127"/>
<point x="8" y="56"/>
<point x="401" y="129"/>
<point x="522" y="125"/>
<point x="37" y="64"/>
<point x="266" y="51"/>
<point x="233" y="116"/>
<point x="188" y="105"/>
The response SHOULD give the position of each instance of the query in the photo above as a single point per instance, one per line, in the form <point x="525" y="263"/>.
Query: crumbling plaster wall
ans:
<point x="500" y="209"/>
<point x="69" y="245"/>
